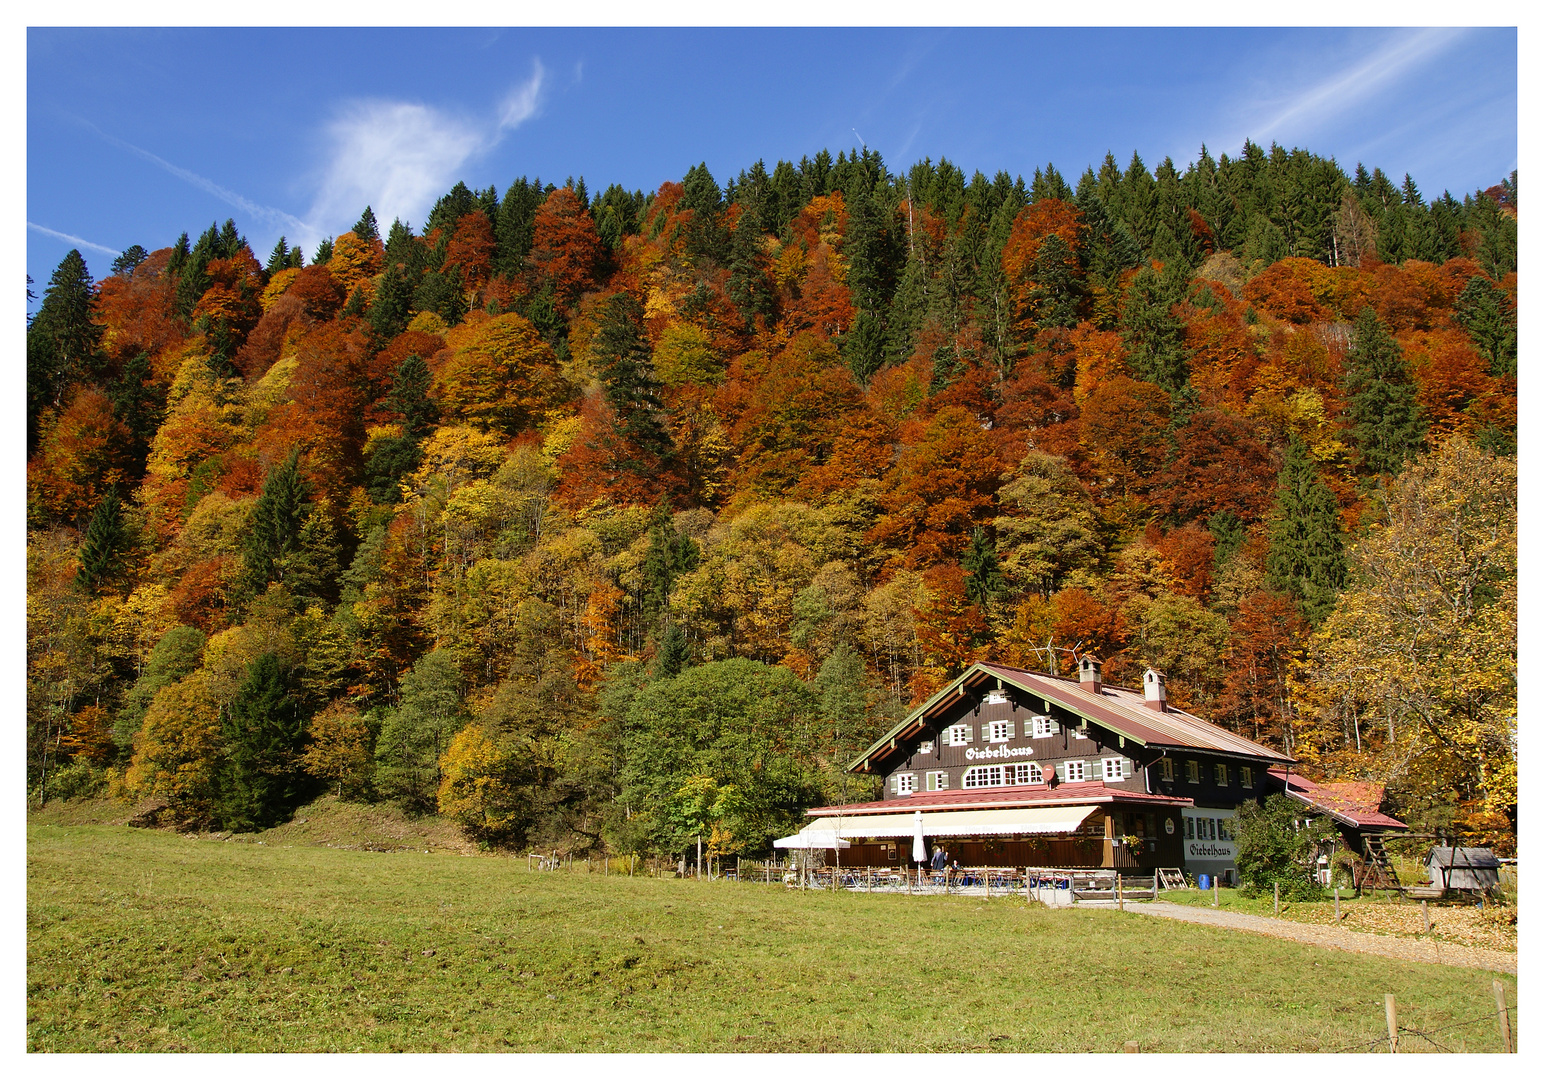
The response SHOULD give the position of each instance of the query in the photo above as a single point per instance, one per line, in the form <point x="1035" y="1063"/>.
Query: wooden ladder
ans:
<point x="1378" y="873"/>
<point x="1170" y="877"/>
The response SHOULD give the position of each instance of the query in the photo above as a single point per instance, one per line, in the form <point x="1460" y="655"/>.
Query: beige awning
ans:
<point x="1020" y="821"/>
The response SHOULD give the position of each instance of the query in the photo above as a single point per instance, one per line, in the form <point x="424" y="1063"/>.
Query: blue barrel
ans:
<point x="1203" y="882"/>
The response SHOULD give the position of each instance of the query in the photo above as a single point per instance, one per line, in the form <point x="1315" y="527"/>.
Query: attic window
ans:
<point x="959" y="734"/>
<point x="997" y="697"/>
<point x="924" y="748"/>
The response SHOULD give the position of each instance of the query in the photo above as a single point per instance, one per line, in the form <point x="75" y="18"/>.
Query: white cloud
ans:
<point x="398" y="157"/>
<point x="68" y="239"/>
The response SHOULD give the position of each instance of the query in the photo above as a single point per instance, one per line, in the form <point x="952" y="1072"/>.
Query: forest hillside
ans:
<point x="599" y="521"/>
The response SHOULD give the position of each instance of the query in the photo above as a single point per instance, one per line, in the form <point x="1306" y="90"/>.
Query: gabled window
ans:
<point x="1042" y="727"/>
<point x="999" y="731"/>
<point x="959" y="734"/>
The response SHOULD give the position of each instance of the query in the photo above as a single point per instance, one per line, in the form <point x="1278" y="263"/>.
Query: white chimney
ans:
<point x="1152" y="685"/>
<point x="1088" y="674"/>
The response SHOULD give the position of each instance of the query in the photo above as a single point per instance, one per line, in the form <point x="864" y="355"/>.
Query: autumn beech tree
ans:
<point x="565" y="248"/>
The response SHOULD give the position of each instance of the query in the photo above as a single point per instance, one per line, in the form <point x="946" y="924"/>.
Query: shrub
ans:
<point x="1276" y="846"/>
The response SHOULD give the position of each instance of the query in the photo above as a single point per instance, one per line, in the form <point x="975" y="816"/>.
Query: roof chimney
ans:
<point x="1088" y="674"/>
<point x="1157" y="697"/>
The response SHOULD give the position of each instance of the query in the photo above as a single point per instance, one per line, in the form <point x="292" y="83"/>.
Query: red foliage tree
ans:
<point x="565" y="248"/>
<point x="82" y="451"/>
<point x="1219" y="464"/>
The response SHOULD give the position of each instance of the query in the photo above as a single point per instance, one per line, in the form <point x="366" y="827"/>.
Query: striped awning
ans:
<point x="1016" y="821"/>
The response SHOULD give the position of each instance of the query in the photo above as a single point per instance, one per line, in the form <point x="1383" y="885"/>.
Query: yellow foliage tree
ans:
<point x="178" y="747"/>
<point x="503" y="378"/>
<point x="1418" y="662"/>
<point x="476" y="789"/>
<point x="340" y="753"/>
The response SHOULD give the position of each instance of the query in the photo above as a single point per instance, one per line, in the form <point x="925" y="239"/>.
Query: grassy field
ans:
<point x="140" y="940"/>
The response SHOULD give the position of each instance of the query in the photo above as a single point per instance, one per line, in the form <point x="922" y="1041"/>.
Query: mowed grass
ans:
<point x="150" y="941"/>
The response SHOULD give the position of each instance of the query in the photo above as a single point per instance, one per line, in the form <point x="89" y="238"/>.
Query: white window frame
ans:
<point x="1067" y="768"/>
<point x="999" y="730"/>
<point x="938" y="780"/>
<point x="1043" y="727"/>
<point x="959" y="734"/>
<point x="983" y="776"/>
<point x="906" y="783"/>
<point x="1080" y="732"/>
<point x="925" y="748"/>
<point x="1026" y="772"/>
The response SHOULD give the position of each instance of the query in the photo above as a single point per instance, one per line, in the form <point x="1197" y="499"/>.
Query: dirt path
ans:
<point x="1333" y="937"/>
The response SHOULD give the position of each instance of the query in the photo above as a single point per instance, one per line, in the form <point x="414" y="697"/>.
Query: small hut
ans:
<point x="1475" y="868"/>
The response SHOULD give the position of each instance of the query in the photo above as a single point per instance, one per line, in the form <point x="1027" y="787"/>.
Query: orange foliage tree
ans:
<point x="501" y="376"/>
<point x="565" y="248"/>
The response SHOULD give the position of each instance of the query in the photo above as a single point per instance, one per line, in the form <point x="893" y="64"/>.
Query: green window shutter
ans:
<point x="1125" y="767"/>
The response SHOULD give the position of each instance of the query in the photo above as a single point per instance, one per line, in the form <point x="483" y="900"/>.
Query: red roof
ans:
<point x="1354" y="802"/>
<point x="1088" y="792"/>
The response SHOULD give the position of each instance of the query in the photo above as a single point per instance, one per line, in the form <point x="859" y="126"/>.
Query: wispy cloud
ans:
<point x="1308" y="109"/>
<point x="397" y="157"/>
<point x="69" y="239"/>
<point x="256" y="210"/>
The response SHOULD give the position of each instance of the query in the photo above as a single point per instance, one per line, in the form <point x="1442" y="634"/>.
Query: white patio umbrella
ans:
<point x="918" y="844"/>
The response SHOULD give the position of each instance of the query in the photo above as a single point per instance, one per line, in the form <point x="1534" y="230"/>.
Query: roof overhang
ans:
<point x="1017" y="821"/>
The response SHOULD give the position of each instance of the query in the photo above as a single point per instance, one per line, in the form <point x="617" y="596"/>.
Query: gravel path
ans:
<point x="1333" y="937"/>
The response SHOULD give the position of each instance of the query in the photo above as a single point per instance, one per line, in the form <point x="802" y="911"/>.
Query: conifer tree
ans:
<point x="983" y="574"/>
<point x="1306" y="557"/>
<point x="622" y="354"/>
<point x="1381" y="406"/>
<point x="366" y="227"/>
<point x="673" y="655"/>
<point x="1491" y="321"/>
<point x="278" y="258"/>
<point x="62" y="340"/>
<point x="129" y="259"/>
<point x="749" y="289"/>
<point x="1154" y="334"/>
<point x="103" y="541"/>
<point x="277" y="519"/>
<point x="259" y="779"/>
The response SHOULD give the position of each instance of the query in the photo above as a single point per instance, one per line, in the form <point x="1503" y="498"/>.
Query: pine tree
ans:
<point x="103" y="541"/>
<point x="278" y="258"/>
<point x="1306" y="557"/>
<point x="1488" y="315"/>
<point x="625" y="366"/>
<point x="366" y="227"/>
<point x="62" y="342"/>
<point x="983" y="575"/>
<point x="259" y="779"/>
<point x="1381" y="407"/>
<point x="674" y="653"/>
<point x="273" y="536"/>
<point x="129" y="259"/>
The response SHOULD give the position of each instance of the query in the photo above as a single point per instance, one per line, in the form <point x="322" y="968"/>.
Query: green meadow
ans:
<point x="150" y="941"/>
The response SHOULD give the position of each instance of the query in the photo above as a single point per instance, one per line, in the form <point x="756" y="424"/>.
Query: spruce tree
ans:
<point x="626" y="371"/>
<point x="366" y="227"/>
<point x="103" y="541"/>
<point x="1381" y="407"/>
<point x="1154" y="335"/>
<point x="129" y="259"/>
<point x="62" y="341"/>
<point x="1306" y="557"/>
<point x="1488" y="315"/>
<point x="674" y="653"/>
<point x="278" y="258"/>
<point x="749" y="288"/>
<point x="273" y="537"/>
<point x="983" y="574"/>
<point x="259" y="778"/>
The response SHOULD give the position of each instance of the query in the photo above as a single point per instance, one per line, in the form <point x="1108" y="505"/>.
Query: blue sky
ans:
<point x="136" y="135"/>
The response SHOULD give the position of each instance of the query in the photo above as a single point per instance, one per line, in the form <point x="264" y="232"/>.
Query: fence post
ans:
<point x="1392" y="1016"/>
<point x="1131" y="1047"/>
<point x="1120" y="899"/>
<point x="1214" y="891"/>
<point x="1337" y="905"/>
<point x="1425" y="918"/>
<point x="1276" y="899"/>
<point x="1502" y="1018"/>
